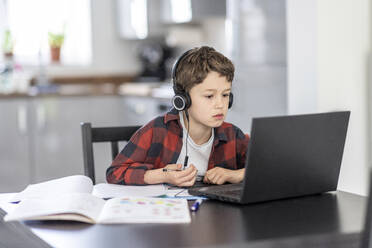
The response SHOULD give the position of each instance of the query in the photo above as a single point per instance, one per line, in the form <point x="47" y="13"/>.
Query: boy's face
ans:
<point x="209" y="101"/>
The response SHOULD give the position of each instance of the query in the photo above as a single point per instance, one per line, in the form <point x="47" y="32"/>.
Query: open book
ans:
<point x="83" y="184"/>
<point x="88" y="208"/>
<point x="75" y="198"/>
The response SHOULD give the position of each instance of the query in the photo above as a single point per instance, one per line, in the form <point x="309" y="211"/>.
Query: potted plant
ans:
<point x="8" y="44"/>
<point x="55" y="43"/>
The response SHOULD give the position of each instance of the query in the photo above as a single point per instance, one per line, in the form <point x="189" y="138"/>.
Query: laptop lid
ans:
<point x="296" y="155"/>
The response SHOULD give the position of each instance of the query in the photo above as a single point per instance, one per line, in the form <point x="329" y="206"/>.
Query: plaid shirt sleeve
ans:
<point x="130" y="165"/>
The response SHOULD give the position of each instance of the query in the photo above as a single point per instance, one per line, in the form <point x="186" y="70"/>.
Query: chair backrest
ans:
<point x="91" y="135"/>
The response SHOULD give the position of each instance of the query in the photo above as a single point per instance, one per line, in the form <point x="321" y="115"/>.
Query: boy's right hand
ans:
<point x="179" y="177"/>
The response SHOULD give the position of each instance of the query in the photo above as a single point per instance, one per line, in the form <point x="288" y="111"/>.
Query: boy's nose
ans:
<point x="219" y="102"/>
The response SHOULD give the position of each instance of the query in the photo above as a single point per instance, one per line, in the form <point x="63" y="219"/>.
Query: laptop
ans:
<point x="287" y="156"/>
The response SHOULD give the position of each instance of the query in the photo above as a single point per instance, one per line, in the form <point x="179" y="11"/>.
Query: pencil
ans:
<point x="166" y="170"/>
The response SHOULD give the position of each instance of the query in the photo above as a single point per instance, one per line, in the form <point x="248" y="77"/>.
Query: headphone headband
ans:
<point x="174" y="69"/>
<point x="181" y="100"/>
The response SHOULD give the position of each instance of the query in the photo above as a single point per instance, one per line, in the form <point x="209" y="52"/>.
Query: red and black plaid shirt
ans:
<point x="159" y="143"/>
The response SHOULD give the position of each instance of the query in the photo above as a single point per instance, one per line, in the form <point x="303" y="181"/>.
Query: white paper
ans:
<point x="76" y="184"/>
<point x="5" y="202"/>
<point x="105" y="190"/>
<point x="178" y="193"/>
<point x="174" y="192"/>
<point x="71" y="203"/>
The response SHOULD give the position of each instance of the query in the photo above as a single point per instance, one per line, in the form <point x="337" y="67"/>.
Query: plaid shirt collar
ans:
<point x="219" y="132"/>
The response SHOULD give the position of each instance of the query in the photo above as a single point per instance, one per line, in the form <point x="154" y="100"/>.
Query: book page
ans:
<point x="145" y="210"/>
<point x="76" y="184"/>
<point x="55" y="206"/>
<point x="106" y="190"/>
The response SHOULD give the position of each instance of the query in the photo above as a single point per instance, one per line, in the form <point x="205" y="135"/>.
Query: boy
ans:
<point x="191" y="141"/>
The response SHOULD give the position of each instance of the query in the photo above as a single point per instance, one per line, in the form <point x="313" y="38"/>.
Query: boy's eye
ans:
<point x="226" y="95"/>
<point x="209" y="96"/>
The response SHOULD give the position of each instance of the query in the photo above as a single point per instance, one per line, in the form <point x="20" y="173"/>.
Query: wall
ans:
<point x="328" y="47"/>
<point x="302" y="56"/>
<point x="258" y="49"/>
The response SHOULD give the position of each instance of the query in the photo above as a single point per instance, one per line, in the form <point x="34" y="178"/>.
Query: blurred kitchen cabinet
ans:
<point x="41" y="136"/>
<point x="57" y="138"/>
<point x="184" y="11"/>
<point x="141" y="110"/>
<point x="139" y="19"/>
<point x="142" y="19"/>
<point x="15" y="159"/>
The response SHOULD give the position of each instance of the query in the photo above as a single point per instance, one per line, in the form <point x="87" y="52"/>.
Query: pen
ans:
<point x="195" y="206"/>
<point x="166" y="170"/>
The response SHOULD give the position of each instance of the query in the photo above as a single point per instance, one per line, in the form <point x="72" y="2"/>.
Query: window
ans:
<point x="30" y="21"/>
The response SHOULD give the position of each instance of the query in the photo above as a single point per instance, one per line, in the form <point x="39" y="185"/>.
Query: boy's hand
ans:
<point x="220" y="175"/>
<point x="179" y="177"/>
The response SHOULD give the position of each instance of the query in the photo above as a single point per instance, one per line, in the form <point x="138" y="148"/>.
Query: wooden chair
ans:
<point x="91" y="135"/>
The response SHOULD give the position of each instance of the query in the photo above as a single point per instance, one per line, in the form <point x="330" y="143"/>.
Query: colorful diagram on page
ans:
<point x="146" y="210"/>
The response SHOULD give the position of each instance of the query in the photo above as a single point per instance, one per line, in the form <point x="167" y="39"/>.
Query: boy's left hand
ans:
<point x="220" y="175"/>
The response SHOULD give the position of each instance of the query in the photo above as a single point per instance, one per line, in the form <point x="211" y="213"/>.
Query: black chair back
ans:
<point x="91" y="135"/>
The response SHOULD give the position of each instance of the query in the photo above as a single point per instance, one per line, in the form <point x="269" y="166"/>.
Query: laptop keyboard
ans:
<point x="228" y="192"/>
<point x="222" y="188"/>
<point x="232" y="192"/>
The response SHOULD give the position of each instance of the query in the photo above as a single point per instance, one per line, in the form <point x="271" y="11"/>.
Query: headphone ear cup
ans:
<point x="231" y="100"/>
<point x="179" y="102"/>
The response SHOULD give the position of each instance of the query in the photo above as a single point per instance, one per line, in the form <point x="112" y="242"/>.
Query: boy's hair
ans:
<point x="199" y="61"/>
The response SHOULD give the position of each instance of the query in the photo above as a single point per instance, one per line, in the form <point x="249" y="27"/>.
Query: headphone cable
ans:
<point x="187" y="137"/>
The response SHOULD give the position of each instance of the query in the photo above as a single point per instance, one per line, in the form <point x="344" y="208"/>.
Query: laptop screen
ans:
<point x="294" y="155"/>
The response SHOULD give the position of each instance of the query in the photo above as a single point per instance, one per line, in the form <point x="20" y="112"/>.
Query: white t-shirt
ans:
<point x="198" y="154"/>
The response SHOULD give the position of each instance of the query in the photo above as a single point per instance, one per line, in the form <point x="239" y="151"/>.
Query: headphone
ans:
<point x="182" y="100"/>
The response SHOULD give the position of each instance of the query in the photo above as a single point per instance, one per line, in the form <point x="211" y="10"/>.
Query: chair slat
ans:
<point x="107" y="134"/>
<point x="114" y="149"/>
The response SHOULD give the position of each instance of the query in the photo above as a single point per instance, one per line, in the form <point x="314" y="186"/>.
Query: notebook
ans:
<point x="87" y="208"/>
<point x="288" y="156"/>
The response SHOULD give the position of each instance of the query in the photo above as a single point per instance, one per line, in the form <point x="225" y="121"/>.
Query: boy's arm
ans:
<point x="129" y="165"/>
<point x="220" y="175"/>
<point x="173" y="175"/>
